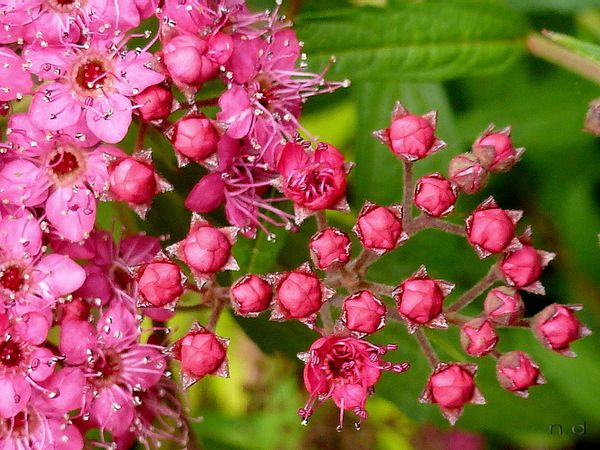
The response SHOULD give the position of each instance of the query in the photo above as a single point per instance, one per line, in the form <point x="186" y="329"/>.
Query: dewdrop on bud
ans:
<point x="503" y="306"/>
<point x="195" y="137"/>
<point x="478" y="337"/>
<point x="330" y="248"/>
<point x="517" y="372"/>
<point x="363" y="313"/>
<point x="434" y="195"/>
<point x="155" y="102"/>
<point x="250" y="295"/>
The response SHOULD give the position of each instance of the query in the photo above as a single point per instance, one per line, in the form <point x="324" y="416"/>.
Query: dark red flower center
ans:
<point x="12" y="278"/>
<point x="10" y="353"/>
<point x="107" y="369"/>
<point x="91" y="75"/>
<point x="312" y="182"/>
<point x="63" y="163"/>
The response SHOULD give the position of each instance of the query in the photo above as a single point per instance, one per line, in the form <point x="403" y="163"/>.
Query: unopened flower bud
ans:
<point x="76" y="309"/>
<point x="185" y="57"/>
<point x="379" y="228"/>
<point x="206" y="249"/>
<point x="495" y="150"/>
<point x="160" y="283"/>
<point x="517" y="372"/>
<point x="155" y="102"/>
<point x="250" y="295"/>
<point x="523" y="267"/>
<point x="491" y="229"/>
<point x="434" y="195"/>
<point x="195" y="137"/>
<point x="503" y="306"/>
<point x="478" y="337"/>
<point x="133" y="181"/>
<point x="201" y="353"/>
<point x="420" y="300"/>
<point x="467" y="173"/>
<point x="330" y="248"/>
<point x="363" y="312"/>
<point x="299" y="294"/>
<point x="556" y="326"/>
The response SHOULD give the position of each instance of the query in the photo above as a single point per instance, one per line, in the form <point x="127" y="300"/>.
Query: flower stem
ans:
<point x="486" y="282"/>
<point x="423" y="222"/>
<point x="326" y="318"/>
<point x="321" y="220"/>
<point x="362" y="262"/>
<point x="408" y="189"/>
<point x="141" y="136"/>
<point x="428" y="350"/>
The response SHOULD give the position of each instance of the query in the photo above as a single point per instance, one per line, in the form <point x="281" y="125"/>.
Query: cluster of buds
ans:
<point x="76" y="368"/>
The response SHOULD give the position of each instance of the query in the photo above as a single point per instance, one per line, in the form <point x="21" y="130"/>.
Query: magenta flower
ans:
<point x="15" y="82"/>
<point x="96" y="82"/>
<point x="250" y="295"/>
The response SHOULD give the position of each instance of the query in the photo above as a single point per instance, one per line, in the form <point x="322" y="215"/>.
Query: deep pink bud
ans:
<point x="504" y="306"/>
<point x="299" y="294"/>
<point x="133" y="181"/>
<point x="363" y="312"/>
<point x="185" y="57"/>
<point x="420" y="300"/>
<point x="495" y="150"/>
<point x="491" y="229"/>
<point x="523" y="268"/>
<point x="478" y="337"/>
<point x="452" y="386"/>
<point x="155" y="102"/>
<point x="250" y="295"/>
<point x="330" y="248"/>
<point x="467" y="173"/>
<point x="195" y="137"/>
<point x="516" y="372"/>
<point x="206" y="249"/>
<point x="207" y="194"/>
<point x="410" y="136"/>
<point x="201" y="353"/>
<point x="556" y="326"/>
<point x="160" y="283"/>
<point x="379" y="228"/>
<point x="434" y="195"/>
<point x="76" y="309"/>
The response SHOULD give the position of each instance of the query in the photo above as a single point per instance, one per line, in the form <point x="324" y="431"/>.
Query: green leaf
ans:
<point x="425" y="41"/>
<point x="582" y="48"/>
<point x="563" y="6"/>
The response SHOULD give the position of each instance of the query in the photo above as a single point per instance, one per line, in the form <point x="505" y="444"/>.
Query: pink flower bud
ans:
<point x="207" y="194"/>
<point x="330" y="248"/>
<point x="452" y="386"/>
<point x="362" y="312"/>
<point x="160" y="283"/>
<point x="195" y="137"/>
<point x="420" y="300"/>
<point x="556" y="326"/>
<point x="523" y="268"/>
<point x="516" y="372"/>
<point x="379" y="228"/>
<point x="434" y="195"/>
<point x="503" y="306"/>
<point x="133" y="181"/>
<point x="201" y="353"/>
<point x="491" y="229"/>
<point x="411" y="137"/>
<point x="467" y="173"/>
<point x="250" y="295"/>
<point x="206" y="249"/>
<point x="478" y="337"/>
<point x="76" y="309"/>
<point x="155" y="102"/>
<point x="185" y="57"/>
<point x="299" y="294"/>
<point x="495" y="150"/>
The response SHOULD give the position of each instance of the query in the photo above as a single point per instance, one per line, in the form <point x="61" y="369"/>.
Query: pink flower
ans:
<point x="491" y="229"/>
<point x="504" y="306"/>
<point x="451" y="386"/>
<point x="478" y="337"/>
<point x="345" y="369"/>
<point x="206" y="249"/>
<point x="379" y="228"/>
<point x="517" y="372"/>
<point x="363" y="313"/>
<point x="313" y="181"/>
<point x="95" y="82"/>
<point x="467" y="173"/>
<point x="495" y="150"/>
<point x="195" y="137"/>
<point x="155" y="102"/>
<point x="330" y="248"/>
<point x="201" y="353"/>
<point x="556" y="326"/>
<point x="250" y="295"/>
<point x="434" y="195"/>
<point x="15" y="82"/>
<point x="411" y="137"/>
<point x="160" y="283"/>
<point x="420" y="300"/>
<point x="523" y="267"/>
<point x="299" y="294"/>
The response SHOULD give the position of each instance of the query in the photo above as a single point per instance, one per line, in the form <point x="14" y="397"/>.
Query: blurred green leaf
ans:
<point x="563" y="6"/>
<point x="585" y="49"/>
<point x="426" y="41"/>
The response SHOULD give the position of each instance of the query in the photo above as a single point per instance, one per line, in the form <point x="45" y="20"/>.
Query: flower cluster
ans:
<point x="84" y="354"/>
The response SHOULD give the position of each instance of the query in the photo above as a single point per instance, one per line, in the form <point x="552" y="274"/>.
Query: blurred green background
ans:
<point x="468" y="60"/>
